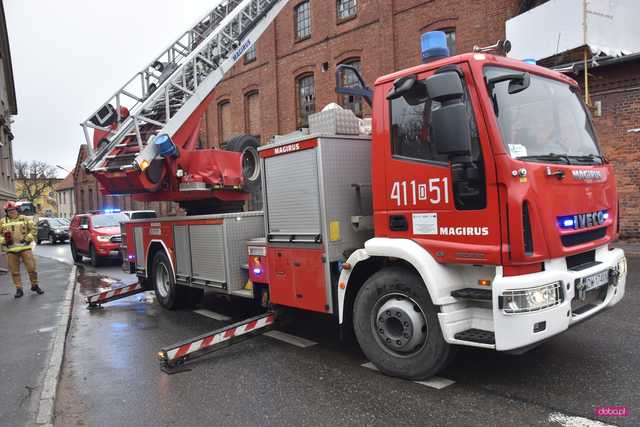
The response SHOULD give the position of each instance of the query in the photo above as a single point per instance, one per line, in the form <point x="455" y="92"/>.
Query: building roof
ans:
<point x="5" y="52"/>
<point x="65" y="184"/>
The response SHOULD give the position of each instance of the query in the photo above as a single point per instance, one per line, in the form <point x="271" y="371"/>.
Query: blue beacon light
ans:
<point x="433" y="45"/>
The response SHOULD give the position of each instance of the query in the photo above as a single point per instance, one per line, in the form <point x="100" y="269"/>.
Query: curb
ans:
<point x="52" y="373"/>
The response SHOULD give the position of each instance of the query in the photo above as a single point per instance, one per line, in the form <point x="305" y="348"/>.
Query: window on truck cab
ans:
<point x="411" y="141"/>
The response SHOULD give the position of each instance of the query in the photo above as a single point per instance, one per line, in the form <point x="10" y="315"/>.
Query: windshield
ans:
<point x="55" y="222"/>
<point x="27" y="209"/>
<point x="547" y="120"/>
<point x="108" y="220"/>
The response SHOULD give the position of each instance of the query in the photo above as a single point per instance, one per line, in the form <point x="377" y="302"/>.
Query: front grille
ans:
<point x="582" y="260"/>
<point x="116" y="239"/>
<point x="584" y="237"/>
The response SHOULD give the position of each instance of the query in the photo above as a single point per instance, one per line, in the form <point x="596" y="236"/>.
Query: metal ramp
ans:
<point x="160" y="98"/>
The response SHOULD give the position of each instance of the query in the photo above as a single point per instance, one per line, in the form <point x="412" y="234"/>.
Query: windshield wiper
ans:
<point x="551" y="157"/>
<point x="589" y="158"/>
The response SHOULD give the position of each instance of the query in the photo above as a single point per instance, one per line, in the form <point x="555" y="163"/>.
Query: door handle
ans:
<point x="296" y="264"/>
<point x="398" y="223"/>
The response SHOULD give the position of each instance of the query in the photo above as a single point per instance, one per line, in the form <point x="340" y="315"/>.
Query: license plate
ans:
<point x="595" y="280"/>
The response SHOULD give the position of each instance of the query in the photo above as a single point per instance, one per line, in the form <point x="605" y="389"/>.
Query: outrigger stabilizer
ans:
<point x="113" y="294"/>
<point x="173" y="357"/>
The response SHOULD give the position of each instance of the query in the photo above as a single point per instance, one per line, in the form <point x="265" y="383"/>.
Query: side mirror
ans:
<point x="409" y="88"/>
<point x="450" y="130"/>
<point x="449" y="123"/>
<point x="84" y="226"/>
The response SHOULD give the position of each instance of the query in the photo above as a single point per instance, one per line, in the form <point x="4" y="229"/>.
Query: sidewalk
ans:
<point x="27" y="328"/>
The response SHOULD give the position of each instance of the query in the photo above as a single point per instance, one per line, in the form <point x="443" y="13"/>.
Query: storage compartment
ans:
<point x="211" y="250"/>
<point x="313" y="185"/>
<point x="297" y="278"/>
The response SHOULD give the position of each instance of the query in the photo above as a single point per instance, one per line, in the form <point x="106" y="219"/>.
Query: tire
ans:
<point x="247" y="145"/>
<point x="38" y="241"/>
<point x="168" y="293"/>
<point x="397" y="327"/>
<point x="74" y="252"/>
<point x="96" y="261"/>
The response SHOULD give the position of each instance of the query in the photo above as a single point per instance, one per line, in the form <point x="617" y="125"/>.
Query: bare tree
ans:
<point x="37" y="179"/>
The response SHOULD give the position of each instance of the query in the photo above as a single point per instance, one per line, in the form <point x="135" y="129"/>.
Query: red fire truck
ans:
<point x="479" y="212"/>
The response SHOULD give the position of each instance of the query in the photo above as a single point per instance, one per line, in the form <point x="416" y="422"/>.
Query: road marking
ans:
<point x="434" y="382"/>
<point x="45" y="330"/>
<point x="571" y="421"/>
<point x="213" y="315"/>
<point x="291" y="339"/>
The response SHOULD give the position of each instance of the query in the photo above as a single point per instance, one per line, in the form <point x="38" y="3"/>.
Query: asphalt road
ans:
<point x="27" y="327"/>
<point x="111" y="375"/>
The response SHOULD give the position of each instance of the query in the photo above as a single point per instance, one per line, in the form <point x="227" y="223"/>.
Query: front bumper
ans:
<point x="513" y="331"/>
<point x="518" y="331"/>
<point x="111" y="250"/>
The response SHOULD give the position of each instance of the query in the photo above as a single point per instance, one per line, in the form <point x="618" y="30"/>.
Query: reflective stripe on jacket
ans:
<point x="22" y="230"/>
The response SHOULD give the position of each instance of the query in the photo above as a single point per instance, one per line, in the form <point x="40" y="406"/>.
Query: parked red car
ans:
<point x="96" y="235"/>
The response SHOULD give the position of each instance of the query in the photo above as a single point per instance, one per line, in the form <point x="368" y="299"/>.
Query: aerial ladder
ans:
<point x="144" y="139"/>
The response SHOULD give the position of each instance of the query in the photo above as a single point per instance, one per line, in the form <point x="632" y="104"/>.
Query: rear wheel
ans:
<point x="96" y="260"/>
<point x="168" y="293"/>
<point x="74" y="253"/>
<point x="397" y="326"/>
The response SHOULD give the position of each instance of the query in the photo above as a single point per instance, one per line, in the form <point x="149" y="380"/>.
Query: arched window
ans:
<point x="306" y="98"/>
<point x="252" y="113"/>
<point x="224" y="121"/>
<point x="348" y="79"/>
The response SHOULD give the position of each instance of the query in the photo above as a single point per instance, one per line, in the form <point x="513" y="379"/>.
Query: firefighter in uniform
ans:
<point x="16" y="235"/>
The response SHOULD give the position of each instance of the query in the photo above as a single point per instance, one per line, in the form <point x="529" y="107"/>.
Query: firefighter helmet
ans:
<point x="10" y="205"/>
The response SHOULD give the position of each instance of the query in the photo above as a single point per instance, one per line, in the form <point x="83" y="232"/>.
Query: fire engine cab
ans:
<point x="479" y="211"/>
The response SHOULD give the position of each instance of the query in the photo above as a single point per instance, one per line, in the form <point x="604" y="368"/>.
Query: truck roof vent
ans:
<point x="434" y="46"/>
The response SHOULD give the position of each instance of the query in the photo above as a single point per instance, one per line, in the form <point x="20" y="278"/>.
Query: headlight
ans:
<point x="531" y="299"/>
<point x="59" y="231"/>
<point x="622" y="266"/>
<point x="103" y="238"/>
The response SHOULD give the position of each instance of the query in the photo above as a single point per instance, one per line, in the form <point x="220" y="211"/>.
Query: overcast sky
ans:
<point x="69" y="56"/>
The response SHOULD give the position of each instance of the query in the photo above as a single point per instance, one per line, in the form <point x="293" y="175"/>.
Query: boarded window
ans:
<point x="224" y="121"/>
<point x="348" y="79"/>
<point x="302" y="20"/>
<point x="252" y="111"/>
<point x="306" y="99"/>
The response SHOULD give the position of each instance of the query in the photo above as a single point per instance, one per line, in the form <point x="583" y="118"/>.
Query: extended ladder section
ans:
<point x="173" y="357"/>
<point x="163" y="96"/>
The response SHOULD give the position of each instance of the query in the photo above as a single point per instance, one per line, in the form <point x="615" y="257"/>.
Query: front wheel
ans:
<point x="96" y="261"/>
<point x="74" y="253"/>
<point x="397" y="326"/>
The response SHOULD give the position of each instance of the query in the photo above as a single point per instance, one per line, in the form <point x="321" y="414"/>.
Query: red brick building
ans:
<point x="292" y="71"/>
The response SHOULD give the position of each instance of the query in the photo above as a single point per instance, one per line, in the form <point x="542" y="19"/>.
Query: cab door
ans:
<point x="84" y="234"/>
<point x="447" y="205"/>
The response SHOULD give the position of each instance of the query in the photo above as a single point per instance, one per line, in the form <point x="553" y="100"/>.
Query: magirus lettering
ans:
<point x="464" y="231"/>
<point x="286" y="149"/>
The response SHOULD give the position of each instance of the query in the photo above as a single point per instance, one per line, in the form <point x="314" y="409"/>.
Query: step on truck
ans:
<point x="480" y="212"/>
